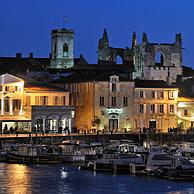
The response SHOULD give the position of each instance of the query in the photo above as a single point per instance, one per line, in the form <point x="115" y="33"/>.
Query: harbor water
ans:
<point x="68" y="179"/>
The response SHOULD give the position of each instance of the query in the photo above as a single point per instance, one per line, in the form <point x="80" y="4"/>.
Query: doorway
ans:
<point x="113" y="122"/>
<point x="152" y="124"/>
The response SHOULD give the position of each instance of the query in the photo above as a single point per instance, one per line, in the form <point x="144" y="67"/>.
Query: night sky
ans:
<point x="26" y="24"/>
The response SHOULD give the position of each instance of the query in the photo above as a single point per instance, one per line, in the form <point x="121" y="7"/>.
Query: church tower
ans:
<point x="62" y="48"/>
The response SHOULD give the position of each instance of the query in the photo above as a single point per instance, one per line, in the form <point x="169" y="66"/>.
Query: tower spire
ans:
<point x="144" y="38"/>
<point x="105" y="36"/>
<point x="134" y="40"/>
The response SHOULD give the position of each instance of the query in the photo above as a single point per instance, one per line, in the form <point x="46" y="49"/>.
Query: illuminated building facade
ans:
<point x="155" y="105"/>
<point x="102" y="102"/>
<point x="115" y="104"/>
<point x="185" y="112"/>
<point x="27" y="105"/>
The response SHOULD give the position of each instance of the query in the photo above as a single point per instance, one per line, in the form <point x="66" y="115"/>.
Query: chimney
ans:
<point x="18" y="55"/>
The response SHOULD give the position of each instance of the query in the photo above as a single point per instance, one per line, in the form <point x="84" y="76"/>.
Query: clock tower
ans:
<point x="62" y="48"/>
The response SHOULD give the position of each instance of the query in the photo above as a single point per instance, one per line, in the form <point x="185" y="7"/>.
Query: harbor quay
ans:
<point x="102" y="138"/>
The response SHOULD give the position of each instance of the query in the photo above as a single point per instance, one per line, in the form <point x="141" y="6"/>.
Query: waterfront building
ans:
<point x="26" y="105"/>
<point x="104" y="102"/>
<point x="98" y="105"/>
<point x="185" y="113"/>
<point x="155" y="105"/>
<point x="114" y="104"/>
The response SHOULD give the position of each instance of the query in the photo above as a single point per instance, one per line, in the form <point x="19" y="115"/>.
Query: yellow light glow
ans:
<point x="179" y="114"/>
<point x="181" y="104"/>
<point x="18" y="181"/>
<point x="179" y="121"/>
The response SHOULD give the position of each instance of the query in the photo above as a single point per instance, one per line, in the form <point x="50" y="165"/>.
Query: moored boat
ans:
<point x="76" y="152"/>
<point x="114" y="161"/>
<point x="33" y="154"/>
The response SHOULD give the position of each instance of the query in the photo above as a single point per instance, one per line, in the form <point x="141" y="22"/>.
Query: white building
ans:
<point x="26" y="104"/>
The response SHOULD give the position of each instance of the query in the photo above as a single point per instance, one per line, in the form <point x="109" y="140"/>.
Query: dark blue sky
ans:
<point x="26" y="24"/>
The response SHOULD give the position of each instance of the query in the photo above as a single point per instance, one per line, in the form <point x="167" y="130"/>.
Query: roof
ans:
<point x="8" y="79"/>
<point x="22" y="64"/>
<point x="151" y="84"/>
<point x="32" y="85"/>
<point x="78" y="77"/>
<point x="188" y="71"/>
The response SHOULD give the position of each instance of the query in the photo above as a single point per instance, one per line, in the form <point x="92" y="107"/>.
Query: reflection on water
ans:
<point x="17" y="179"/>
<point x="67" y="179"/>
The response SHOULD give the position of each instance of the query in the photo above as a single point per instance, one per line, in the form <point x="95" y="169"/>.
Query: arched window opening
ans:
<point x="119" y="60"/>
<point x="65" y="50"/>
<point x="55" y="49"/>
<point x="159" y="59"/>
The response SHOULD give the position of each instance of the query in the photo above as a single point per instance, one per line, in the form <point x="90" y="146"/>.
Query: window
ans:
<point x="55" y="50"/>
<point x="44" y="100"/>
<point x="171" y="108"/>
<point x="141" y="108"/>
<point x="16" y="104"/>
<point x="161" y="95"/>
<point x="113" y="101"/>
<point x="6" y="104"/>
<point x="6" y="88"/>
<point x="185" y="112"/>
<point x="36" y="100"/>
<point x="161" y="108"/>
<point x="153" y="94"/>
<point x="152" y="108"/>
<point x="159" y="59"/>
<point x="28" y="100"/>
<point x="125" y="101"/>
<point x="113" y="87"/>
<point x="65" y="50"/>
<point x="160" y="157"/>
<point x="141" y="94"/>
<point x="171" y="95"/>
<point x="101" y="100"/>
<point x="56" y="100"/>
<point x="16" y="88"/>
<point x="63" y="100"/>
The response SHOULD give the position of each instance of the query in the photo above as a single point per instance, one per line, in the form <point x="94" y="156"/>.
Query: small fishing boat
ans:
<point x="35" y="154"/>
